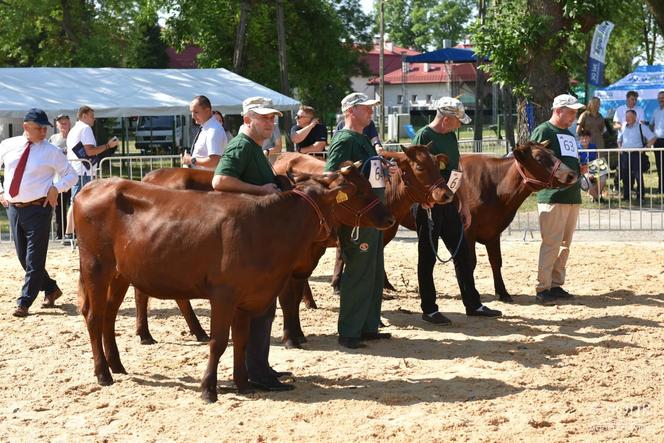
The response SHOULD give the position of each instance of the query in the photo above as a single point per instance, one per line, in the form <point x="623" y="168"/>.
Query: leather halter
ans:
<point x="316" y="208"/>
<point x="532" y="182"/>
<point x="429" y="191"/>
<point x="361" y="212"/>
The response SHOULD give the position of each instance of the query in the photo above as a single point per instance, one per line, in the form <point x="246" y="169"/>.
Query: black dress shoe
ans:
<point x="437" y="319"/>
<point x="280" y="374"/>
<point x="351" y="342"/>
<point x="559" y="292"/>
<point x="483" y="311"/>
<point x="272" y="385"/>
<point x="376" y="335"/>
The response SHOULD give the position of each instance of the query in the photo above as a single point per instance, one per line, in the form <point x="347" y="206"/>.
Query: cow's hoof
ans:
<point x="148" y="340"/>
<point x="302" y="338"/>
<point x="310" y="304"/>
<point x="202" y="338"/>
<point x="209" y="396"/>
<point x="291" y="343"/>
<point x="105" y="379"/>
<point x="389" y="286"/>
<point x="505" y="298"/>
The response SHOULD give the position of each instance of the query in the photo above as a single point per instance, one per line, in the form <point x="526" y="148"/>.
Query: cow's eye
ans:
<point x="419" y="168"/>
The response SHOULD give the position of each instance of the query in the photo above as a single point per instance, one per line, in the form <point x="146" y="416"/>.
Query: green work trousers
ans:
<point x="361" y="282"/>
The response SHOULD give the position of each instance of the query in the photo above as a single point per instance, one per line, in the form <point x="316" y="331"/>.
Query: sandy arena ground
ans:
<point x="589" y="370"/>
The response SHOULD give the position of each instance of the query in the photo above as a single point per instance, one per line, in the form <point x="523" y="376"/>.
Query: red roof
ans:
<point x="437" y="73"/>
<point x="391" y="58"/>
<point x="183" y="60"/>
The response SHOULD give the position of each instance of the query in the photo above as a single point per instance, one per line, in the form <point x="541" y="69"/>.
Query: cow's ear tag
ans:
<point x="341" y="197"/>
<point x="441" y="165"/>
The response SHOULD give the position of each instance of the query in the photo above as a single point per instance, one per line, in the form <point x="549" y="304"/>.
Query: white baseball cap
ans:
<point x="566" y="101"/>
<point x="260" y="105"/>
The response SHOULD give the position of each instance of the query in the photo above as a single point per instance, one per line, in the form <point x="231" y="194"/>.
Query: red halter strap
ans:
<point x="316" y="208"/>
<point x="428" y="195"/>
<point x="532" y="182"/>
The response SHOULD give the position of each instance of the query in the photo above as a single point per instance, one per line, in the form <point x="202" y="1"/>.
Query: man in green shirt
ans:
<point x="558" y="208"/>
<point x="244" y="168"/>
<point x="447" y="224"/>
<point x="361" y="287"/>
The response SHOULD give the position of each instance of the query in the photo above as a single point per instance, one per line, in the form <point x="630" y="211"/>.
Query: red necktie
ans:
<point x="20" y="169"/>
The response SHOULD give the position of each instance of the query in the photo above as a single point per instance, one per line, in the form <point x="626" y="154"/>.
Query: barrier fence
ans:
<point x="641" y="210"/>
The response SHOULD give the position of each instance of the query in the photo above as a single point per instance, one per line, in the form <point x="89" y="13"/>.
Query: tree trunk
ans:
<point x="657" y="8"/>
<point x="283" y="67"/>
<point x="508" y="111"/>
<point x="240" y="38"/>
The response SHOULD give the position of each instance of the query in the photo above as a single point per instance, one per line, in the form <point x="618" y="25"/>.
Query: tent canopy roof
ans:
<point x="445" y="55"/>
<point x="118" y="92"/>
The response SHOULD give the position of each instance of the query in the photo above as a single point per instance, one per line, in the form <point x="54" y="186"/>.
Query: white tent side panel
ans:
<point x="117" y="92"/>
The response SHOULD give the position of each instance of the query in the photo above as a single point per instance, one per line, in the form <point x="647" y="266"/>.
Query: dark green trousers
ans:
<point x="361" y="285"/>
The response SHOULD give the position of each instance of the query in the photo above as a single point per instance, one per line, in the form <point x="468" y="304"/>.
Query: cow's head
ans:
<point x="420" y="174"/>
<point x="351" y="198"/>
<point x="540" y="169"/>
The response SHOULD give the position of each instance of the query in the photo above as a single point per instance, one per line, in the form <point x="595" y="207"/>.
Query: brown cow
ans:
<point x="123" y="224"/>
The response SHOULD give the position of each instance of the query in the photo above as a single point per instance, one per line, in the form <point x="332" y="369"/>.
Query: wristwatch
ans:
<point x="193" y="161"/>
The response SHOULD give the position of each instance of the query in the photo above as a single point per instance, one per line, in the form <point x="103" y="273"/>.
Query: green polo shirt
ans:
<point x="442" y="144"/>
<point x="244" y="160"/>
<point x="348" y="145"/>
<point x="572" y="194"/>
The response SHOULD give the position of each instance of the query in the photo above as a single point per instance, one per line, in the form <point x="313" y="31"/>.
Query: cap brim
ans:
<point x="465" y="120"/>
<point x="372" y="102"/>
<point x="267" y="111"/>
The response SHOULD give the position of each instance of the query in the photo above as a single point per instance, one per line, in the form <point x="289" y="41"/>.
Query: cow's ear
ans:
<point x="521" y="151"/>
<point x="403" y="148"/>
<point x="341" y="193"/>
<point x="442" y="160"/>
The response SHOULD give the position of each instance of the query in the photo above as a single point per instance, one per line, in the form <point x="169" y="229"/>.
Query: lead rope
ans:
<point x="433" y="248"/>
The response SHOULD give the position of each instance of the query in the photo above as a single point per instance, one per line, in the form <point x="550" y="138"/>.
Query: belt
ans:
<point x="38" y="202"/>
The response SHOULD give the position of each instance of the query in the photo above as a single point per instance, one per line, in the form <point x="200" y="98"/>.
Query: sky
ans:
<point x="367" y="6"/>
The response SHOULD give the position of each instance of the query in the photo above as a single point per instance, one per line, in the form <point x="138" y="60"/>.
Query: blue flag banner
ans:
<point x="597" y="58"/>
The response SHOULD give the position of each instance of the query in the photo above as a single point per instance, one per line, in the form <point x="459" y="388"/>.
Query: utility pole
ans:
<point x="479" y="88"/>
<point x="381" y="72"/>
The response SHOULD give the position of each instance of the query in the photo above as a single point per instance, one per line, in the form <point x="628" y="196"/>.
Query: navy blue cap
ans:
<point x="38" y="116"/>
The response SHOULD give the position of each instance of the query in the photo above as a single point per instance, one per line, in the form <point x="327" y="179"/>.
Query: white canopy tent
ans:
<point x="117" y="92"/>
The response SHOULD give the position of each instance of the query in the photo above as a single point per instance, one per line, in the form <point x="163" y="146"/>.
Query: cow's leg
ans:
<point x="308" y="297"/>
<point x="92" y="288"/>
<point x="192" y="321"/>
<point x="221" y="316"/>
<point x="141" y="300"/>
<point x="116" y="294"/>
<point x="338" y="269"/>
<point x="496" y="260"/>
<point x="289" y="299"/>
<point x="241" y="325"/>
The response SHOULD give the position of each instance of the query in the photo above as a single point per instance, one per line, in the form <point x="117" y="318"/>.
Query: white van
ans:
<point x="154" y="134"/>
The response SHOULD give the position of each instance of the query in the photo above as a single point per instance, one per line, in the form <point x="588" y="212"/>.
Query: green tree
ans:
<point x="320" y="39"/>
<point x="425" y="24"/>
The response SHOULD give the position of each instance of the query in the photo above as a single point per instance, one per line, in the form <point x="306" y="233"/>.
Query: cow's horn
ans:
<point x="358" y="164"/>
<point x="546" y="143"/>
<point x="345" y="169"/>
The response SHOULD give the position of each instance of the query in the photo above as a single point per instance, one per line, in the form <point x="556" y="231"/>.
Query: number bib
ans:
<point x="454" y="181"/>
<point x="568" y="146"/>
<point x="376" y="177"/>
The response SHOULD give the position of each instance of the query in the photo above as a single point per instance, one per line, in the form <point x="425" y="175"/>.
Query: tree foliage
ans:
<point x="320" y="36"/>
<point x="425" y="24"/>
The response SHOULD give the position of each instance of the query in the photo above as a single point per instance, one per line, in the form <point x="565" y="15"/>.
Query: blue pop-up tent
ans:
<point x="445" y="55"/>
<point x="646" y="80"/>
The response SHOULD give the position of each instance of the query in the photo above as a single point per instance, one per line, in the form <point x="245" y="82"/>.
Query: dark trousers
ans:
<point x="659" y="143"/>
<point x="31" y="228"/>
<point x="61" y="214"/>
<point x="447" y="226"/>
<point x="258" y="346"/>
<point x="630" y="170"/>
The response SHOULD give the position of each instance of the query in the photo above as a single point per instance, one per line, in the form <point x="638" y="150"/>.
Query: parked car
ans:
<point x="154" y="134"/>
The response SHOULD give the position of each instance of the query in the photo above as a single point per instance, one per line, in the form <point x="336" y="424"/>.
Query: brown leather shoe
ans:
<point x="21" y="311"/>
<point x="51" y="297"/>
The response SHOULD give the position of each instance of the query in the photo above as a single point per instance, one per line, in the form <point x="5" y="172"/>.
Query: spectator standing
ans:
<point x="657" y="125"/>
<point x="308" y="134"/>
<point x="558" y="208"/>
<point x="619" y="118"/>
<point x="210" y="140"/>
<point x="82" y="132"/>
<point x="596" y="180"/>
<point x="220" y="119"/>
<point x="36" y="171"/>
<point x="447" y="221"/>
<point x="592" y="120"/>
<point x="244" y="168"/>
<point x="633" y="136"/>
<point x="59" y="139"/>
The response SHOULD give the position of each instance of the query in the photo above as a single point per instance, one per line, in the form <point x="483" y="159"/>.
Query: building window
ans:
<point x="428" y="98"/>
<point x="413" y="99"/>
<point x="400" y="99"/>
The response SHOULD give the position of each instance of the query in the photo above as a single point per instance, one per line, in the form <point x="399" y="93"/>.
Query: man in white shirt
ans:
<point x="59" y="139"/>
<point x="210" y="141"/>
<point x="30" y="192"/>
<point x="82" y="132"/>
<point x="620" y="115"/>
<point x="633" y="136"/>
<point x="657" y="125"/>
